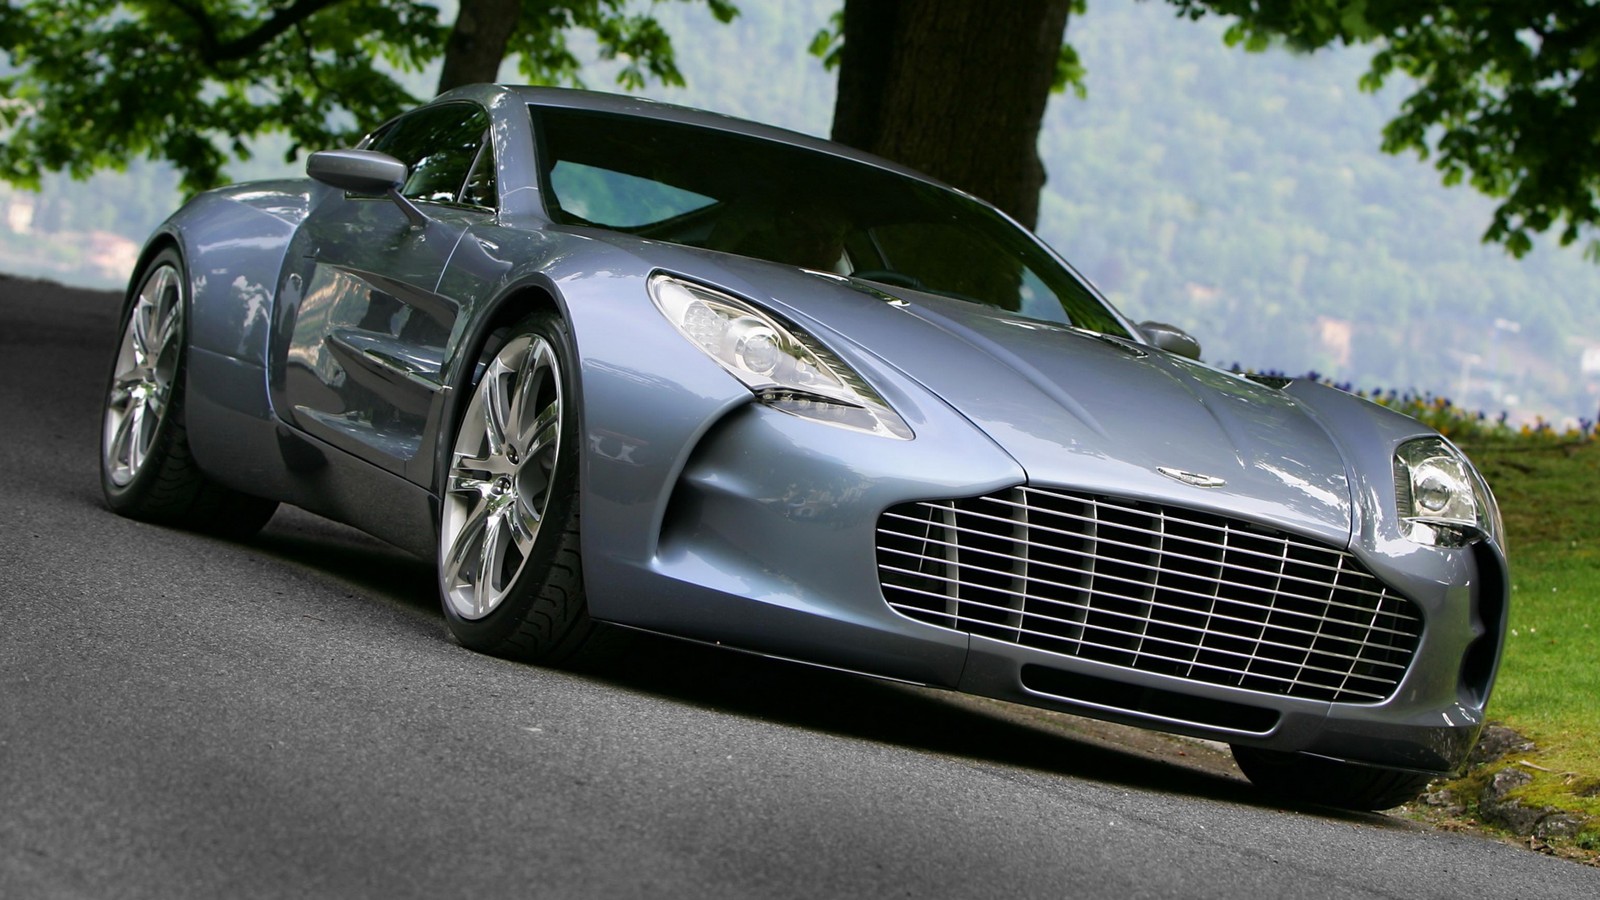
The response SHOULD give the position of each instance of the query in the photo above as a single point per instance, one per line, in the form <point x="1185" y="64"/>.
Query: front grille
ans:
<point x="1151" y="588"/>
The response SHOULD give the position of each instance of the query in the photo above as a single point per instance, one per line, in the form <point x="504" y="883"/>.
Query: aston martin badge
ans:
<point x="1194" y="478"/>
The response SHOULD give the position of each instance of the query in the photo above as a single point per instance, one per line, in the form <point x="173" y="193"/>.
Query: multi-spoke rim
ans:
<point x="502" y="470"/>
<point x="143" y="376"/>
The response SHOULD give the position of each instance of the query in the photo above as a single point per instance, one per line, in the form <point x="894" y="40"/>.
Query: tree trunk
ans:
<point x="477" y="42"/>
<point x="954" y="88"/>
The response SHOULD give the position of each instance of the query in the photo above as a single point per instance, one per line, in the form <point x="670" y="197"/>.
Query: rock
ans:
<point x="1512" y="816"/>
<point x="1558" y="825"/>
<point x="1504" y="782"/>
<point x="1444" y="800"/>
<point x="1497" y="741"/>
<point x="1495" y="807"/>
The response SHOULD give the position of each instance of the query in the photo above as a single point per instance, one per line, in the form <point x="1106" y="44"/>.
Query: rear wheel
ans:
<point x="146" y="469"/>
<point x="510" y="573"/>
<point x="1329" y="782"/>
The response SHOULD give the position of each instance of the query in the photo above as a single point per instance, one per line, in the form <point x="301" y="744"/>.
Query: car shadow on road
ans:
<point x="795" y="695"/>
<point x="948" y="724"/>
<point x="359" y="560"/>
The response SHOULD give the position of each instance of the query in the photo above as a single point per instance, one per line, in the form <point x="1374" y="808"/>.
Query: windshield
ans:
<point x="711" y="189"/>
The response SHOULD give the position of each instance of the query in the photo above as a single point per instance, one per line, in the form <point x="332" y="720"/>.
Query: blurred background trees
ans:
<point x="95" y="84"/>
<point x="1239" y="195"/>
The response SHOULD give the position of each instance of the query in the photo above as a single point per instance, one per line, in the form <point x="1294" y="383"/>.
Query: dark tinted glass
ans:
<point x="438" y="144"/>
<point x="722" y="191"/>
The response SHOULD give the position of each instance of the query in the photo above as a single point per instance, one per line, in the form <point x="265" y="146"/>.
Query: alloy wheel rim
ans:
<point x="501" y="471"/>
<point x="143" y="376"/>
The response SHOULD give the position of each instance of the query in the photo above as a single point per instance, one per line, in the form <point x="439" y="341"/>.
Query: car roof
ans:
<point x="643" y="107"/>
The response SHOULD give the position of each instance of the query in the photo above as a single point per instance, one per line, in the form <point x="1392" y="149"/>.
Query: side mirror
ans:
<point x="365" y="172"/>
<point x="357" y="171"/>
<point x="1170" y="338"/>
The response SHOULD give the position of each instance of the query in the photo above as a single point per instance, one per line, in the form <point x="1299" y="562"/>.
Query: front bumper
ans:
<point x="767" y="543"/>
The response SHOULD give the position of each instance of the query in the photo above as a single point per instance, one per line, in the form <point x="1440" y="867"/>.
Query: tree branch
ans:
<point x="212" y="51"/>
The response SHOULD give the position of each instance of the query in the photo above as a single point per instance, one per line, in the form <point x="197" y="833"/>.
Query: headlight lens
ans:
<point x="1442" y="499"/>
<point x="783" y="366"/>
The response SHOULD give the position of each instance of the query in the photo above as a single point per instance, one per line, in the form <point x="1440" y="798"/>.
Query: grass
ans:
<point x="1549" y="683"/>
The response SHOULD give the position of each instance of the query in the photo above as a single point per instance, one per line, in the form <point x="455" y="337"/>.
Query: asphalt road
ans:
<point x="182" y="716"/>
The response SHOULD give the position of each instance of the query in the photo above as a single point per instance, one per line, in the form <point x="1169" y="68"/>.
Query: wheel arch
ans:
<point x="513" y="304"/>
<point x="169" y="486"/>
<point x="158" y="243"/>
<point x="161" y="240"/>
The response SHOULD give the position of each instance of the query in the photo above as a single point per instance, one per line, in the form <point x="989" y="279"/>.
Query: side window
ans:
<point x="482" y="188"/>
<point x="441" y="146"/>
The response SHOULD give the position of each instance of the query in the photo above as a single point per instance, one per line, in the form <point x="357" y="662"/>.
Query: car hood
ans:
<point x="1109" y="415"/>
<point x="1078" y="410"/>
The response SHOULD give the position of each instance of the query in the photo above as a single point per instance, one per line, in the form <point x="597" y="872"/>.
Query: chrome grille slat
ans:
<point x="1363" y="610"/>
<point x="1176" y="608"/>
<point x="1171" y="555"/>
<point x="1226" y="669"/>
<point x="1151" y="588"/>
<point x="1186" y="558"/>
<point x="1296" y="647"/>
<point x="1135" y="530"/>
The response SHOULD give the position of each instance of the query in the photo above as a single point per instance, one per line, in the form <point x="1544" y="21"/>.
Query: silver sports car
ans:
<point x="615" y="363"/>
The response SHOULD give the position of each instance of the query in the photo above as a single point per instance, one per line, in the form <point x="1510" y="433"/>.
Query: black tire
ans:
<point x="147" y="471"/>
<point x="521" y="598"/>
<point x="1310" y="779"/>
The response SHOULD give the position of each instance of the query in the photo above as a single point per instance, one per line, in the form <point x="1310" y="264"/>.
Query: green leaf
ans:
<point x="100" y="82"/>
<point x="1069" y="72"/>
<point x="1501" y="94"/>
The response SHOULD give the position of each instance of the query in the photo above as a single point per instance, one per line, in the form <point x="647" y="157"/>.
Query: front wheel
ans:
<point x="1329" y="782"/>
<point x="146" y="469"/>
<point x="510" y="576"/>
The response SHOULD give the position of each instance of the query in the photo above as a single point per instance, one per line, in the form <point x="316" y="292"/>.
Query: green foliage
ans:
<point x="1069" y="72"/>
<point x="828" y="43"/>
<point x="1477" y="427"/>
<point x="640" y="47"/>
<point x="1239" y="196"/>
<point x="101" y="82"/>
<point x="94" y="84"/>
<point x="1503" y="99"/>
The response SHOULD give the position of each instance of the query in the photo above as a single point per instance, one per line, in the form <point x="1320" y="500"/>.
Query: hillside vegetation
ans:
<point x="1240" y="196"/>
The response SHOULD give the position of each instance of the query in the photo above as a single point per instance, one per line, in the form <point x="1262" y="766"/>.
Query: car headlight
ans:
<point x="783" y="366"/>
<point x="1443" y="501"/>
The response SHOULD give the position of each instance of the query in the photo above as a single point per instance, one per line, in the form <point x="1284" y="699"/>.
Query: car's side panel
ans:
<point x="342" y="486"/>
<point x="232" y="242"/>
<point x="360" y="332"/>
<point x="621" y="341"/>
